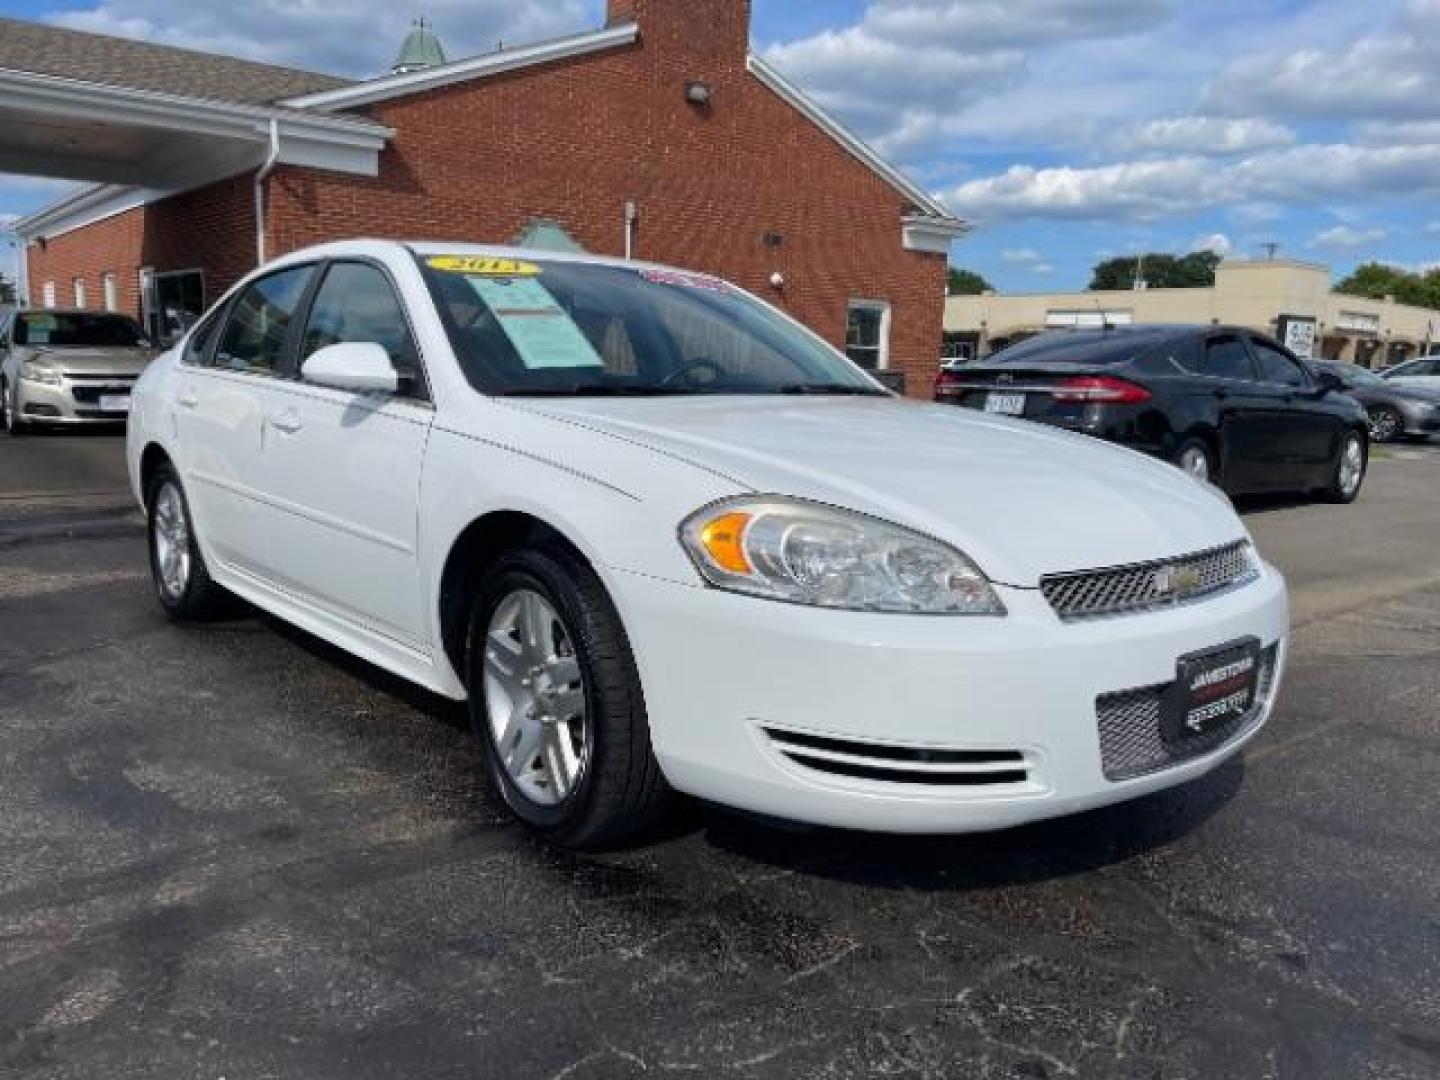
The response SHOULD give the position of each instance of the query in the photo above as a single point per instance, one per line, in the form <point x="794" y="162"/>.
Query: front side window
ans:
<point x="355" y="303"/>
<point x="1227" y="358"/>
<point x="867" y="333"/>
<point x="77" y="329"/>
<point x="254" y="336"/>
<point x="1275" y="366"/>
<point x="569" y="328"/>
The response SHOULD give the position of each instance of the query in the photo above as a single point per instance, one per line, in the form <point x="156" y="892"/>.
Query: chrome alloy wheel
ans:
<point x="1385" y="425"/>
<point x="535" y="698"/>
<point x="1196" y="462"/>
<point x="172" y="542"/>
<point x="1352" y="466"/>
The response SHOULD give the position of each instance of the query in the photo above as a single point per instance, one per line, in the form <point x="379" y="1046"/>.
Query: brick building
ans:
<point x="660" y="134"/>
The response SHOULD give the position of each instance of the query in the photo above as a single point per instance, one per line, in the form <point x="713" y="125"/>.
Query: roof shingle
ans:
<point x="140" y="65"/>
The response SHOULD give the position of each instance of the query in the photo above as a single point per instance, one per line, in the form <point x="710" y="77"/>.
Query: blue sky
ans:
<point x="1067" y="130"/>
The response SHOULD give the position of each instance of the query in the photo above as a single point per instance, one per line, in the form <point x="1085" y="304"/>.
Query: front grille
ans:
<point x="88" y="392"/>
<point x="1132" y="742"/>
<point x="890" y="763"/>
<point x="1143" y="586"/>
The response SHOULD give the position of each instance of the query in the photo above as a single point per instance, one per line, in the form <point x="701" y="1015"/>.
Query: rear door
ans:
<point x="219" y="405"/>
<point x="1228" y="379"/>
<point x="343" y="468"/>
<point x="1307" y="424"/>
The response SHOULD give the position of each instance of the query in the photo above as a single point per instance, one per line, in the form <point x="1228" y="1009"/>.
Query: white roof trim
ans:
<point x="856" y="146"/>
<point x="475" y="67"/>
<point x="89" y="204"/>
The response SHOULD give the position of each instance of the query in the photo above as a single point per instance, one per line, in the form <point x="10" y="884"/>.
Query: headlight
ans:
<point x="39" y="373"/>
<point x="807" y="553"/>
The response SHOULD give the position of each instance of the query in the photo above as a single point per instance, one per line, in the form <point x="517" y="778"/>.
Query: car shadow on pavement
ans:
<point x="1044" y="851"/>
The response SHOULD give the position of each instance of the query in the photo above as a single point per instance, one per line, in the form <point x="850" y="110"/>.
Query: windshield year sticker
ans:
<point x="484" y="266"/>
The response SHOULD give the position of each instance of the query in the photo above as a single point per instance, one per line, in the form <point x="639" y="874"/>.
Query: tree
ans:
<point x="1378" y="280"/>
<point x="966" y="283"/>
<point x="1193" y="271"/>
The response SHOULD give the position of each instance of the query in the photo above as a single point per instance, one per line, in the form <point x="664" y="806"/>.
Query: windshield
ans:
<point x="82" y="329"/>
<point x="1354" y="375"/>
<point x="561" y="328"/>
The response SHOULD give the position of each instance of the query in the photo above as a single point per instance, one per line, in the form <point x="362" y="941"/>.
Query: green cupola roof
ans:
<point x="422" y="49"/>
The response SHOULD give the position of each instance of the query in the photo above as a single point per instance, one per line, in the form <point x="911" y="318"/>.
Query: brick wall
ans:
<point x="573" y="141"/>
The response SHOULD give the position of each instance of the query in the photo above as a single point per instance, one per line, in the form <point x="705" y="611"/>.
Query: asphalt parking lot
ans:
<point x="231" y="851"/>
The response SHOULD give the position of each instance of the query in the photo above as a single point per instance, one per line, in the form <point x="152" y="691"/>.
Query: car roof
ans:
<point x="425" y="248"/>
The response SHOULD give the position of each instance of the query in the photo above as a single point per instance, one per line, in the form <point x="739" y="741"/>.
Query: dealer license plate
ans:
<point x="115" y="403"/>
<point x="1213" y="688"/>
<point x="1005" y="404"/>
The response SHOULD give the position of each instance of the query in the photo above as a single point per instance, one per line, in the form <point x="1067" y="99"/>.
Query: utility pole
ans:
<point x="1140" y="284"/>
<point x="1270" y="247"/>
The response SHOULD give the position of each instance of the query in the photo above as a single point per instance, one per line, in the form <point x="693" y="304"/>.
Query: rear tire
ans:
<point x="1348" y="473"/>
<point x="556" y="702"/>
<point x="1386" y="425"/>
<point x="182" y="582"/>
<point x="1195" y="457"/>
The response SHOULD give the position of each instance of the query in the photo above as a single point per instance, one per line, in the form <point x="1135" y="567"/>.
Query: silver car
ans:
<point x="68" y="367"/>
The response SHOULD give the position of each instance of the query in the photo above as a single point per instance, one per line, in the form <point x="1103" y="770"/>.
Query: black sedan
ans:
<point x="1225" y="404"/>
<point x="1397" y="410"/>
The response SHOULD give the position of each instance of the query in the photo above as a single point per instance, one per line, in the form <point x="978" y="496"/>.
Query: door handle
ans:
<point x="187" y="399"/>
<point x="287" y="420"/>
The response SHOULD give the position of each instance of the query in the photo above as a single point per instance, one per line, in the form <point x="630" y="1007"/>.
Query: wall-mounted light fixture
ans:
<point x="777" y="280"/>
<point x="697" y="93"/>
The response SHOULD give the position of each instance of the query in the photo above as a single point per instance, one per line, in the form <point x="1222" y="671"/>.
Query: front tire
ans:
<point x="182" y="582"/>
<point x="1348" y="473"/>
<point x="556" y="702"/>
<point x="10" y="411"/>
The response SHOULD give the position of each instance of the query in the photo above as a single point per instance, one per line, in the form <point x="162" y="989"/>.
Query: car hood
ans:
<point x="81" y="361"/>
<point x="1021" y="499"/>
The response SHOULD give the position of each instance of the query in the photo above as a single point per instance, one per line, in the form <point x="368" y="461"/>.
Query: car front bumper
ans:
<point x="72" y="402"/>
<point x="734" y="685"/>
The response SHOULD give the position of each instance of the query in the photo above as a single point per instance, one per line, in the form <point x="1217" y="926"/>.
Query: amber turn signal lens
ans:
<point x="723" y="540"/>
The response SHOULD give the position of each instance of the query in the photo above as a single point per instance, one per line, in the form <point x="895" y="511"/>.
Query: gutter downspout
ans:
<point x="260" y="177"/>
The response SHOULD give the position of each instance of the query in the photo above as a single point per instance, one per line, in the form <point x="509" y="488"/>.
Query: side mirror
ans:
<point x="361" y="366"/>
<point x="1331" y="383"/>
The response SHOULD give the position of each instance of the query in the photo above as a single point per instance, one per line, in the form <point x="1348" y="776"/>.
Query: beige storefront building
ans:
<point x="1292" y="300"/>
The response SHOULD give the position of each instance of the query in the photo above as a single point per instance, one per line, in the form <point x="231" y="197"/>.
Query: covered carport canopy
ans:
<point x="139" y="121"/>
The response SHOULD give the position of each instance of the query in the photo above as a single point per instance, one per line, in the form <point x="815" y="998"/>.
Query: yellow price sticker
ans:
<point x="484" y="265"/>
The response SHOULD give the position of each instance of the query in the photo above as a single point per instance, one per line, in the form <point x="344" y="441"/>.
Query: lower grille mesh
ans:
<point x="1143" y="586"/>
<point x="1131" y="743"/>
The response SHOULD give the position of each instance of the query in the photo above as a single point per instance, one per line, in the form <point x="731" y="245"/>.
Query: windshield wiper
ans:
<point x="836" y="389"/>
<point x="600" y="391"/>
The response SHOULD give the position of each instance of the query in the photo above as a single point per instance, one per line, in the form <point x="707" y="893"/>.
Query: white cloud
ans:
<point x="1020" y="255"/>
<point x="1218" y="243"/>
<point x="344" y="37"/>
<point x="1148" y="190"/>
<point x="1345" y="238"/>
<point x="1205" y="135"/>
<point x="1433" y="227"/>
<point x="1390" y="74"/>
<point x="903" y="74"/>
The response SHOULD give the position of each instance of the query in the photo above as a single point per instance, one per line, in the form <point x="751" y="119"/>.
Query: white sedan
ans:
<point x="663" y="538"/>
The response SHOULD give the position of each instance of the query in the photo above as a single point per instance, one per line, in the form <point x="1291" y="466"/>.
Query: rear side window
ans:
<point x="1275" y="366"/>
<point x="1227" y="358"/>
<point x="255" y="333"/>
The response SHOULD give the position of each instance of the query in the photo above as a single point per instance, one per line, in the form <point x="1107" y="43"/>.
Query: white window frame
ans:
<point x="48" y="294"/>
<point x="882" y="358"/>
<point x="110" y="291"/>
<point x="77" y="291"/>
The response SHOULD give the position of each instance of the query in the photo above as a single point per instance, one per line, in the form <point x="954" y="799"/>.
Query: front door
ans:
<point x="343" y="468"/>
<point x="1306" y="425"/>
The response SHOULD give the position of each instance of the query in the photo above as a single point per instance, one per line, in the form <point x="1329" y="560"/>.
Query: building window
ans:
<point x="49" y="294"/>
<point x="867" y="334"/>
<point x="111" y="291"/>
<point x="79" y="289"/>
